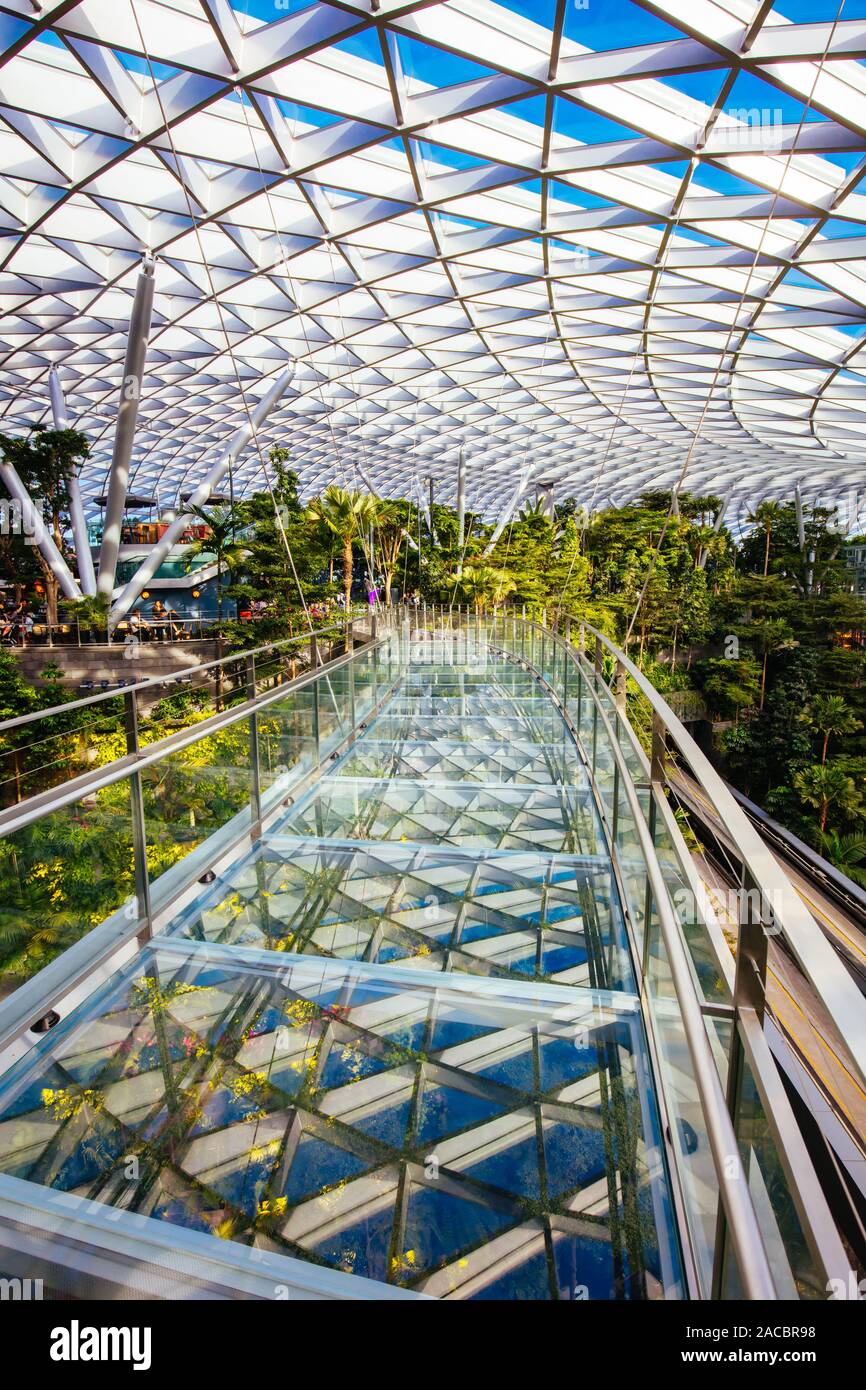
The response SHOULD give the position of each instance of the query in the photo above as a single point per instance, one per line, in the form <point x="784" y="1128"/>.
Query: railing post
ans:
<point x="619" y="688"/>
<point x="255" y="768"/>
<point x="565" y="665"/>
<point x="350" y="647"/>
<point x="658" y="753"/>
<point x="139" y="828"/>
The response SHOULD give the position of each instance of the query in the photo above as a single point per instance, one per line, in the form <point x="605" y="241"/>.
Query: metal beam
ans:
<point x="801" y="525"/>
<point x="175" y="530"/>
<point x="35" y="528"/>
<point x="423" y="505"/>
<point x="547" y="492"/>
<point x="124" y="434"/>
<point x="509" y="511"/>
<point x="461" y="506"/>
<point x="86" y="575"/>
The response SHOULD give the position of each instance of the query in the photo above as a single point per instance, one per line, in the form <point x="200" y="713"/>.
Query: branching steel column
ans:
<point x="171" y="536"/>
<point x="508" y="513"/>
<point x="801" y="526"/>
<point x="461" y="506"/>
<point x="34" y="527"/>
<point x="717" y="526"/>
<point x="124" y="434"/>
<point x="547" y="490"/>
<point x="86" y="575"/>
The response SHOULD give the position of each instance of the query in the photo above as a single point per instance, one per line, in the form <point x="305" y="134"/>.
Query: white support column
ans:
<point x="34" y="527"/>
<point x="365" y="479"/>
<point x="717" y="526"/>
<point x="801" y="525"/>
<point x="86" y="575"/>
<point x="124" y="433"/>
<point x="461" y="499"/>
<point x="509" y="512"/>
<point x="422" y="502"/>
<point x="175" y="530"/>
<point x="547" y="489"/>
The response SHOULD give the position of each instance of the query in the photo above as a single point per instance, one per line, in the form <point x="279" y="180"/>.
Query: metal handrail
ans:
<point x="33" y="808"/>
<point x="813" y="953"/>
<point x="87" y="700"/>
<point x="742" y="1222"/>
<point x="33" y="998"/>
<point x="740" y="1217"/>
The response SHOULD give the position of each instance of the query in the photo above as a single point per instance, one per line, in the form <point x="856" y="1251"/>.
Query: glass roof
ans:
<point x="595" y="245"/>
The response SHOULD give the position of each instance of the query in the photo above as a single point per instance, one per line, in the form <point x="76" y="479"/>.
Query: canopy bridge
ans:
<point x="417" y="992"/>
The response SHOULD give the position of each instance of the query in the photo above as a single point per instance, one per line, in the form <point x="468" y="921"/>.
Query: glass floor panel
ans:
<point x="397" y="1037"/>
<point x="455" y="760"/>
<point x="544" y="728"/>
<point x="521" y="915"/>
<point x="554" y="818"/>
<point x="446" y="681"/>
<point x="464" y="1144"/>
<point x="489" y="702"/>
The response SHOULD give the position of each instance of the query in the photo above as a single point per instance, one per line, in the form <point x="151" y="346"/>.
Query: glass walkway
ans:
<point x="398" y="1031"/>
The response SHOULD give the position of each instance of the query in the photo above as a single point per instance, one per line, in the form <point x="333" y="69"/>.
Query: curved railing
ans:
<point x="752" y="1213"/>
<point x="132" y="836"/>
<point x="705" y="998"/>
<point x="43" y="749"/>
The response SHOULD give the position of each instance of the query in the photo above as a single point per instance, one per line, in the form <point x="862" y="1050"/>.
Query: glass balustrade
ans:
<point x="418" y="1020"/>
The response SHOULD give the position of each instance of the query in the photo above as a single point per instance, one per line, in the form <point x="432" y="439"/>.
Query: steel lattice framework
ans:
<point x="474" y="226"/>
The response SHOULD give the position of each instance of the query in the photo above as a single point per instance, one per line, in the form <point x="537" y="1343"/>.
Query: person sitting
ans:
<point x="158" y="614"/>
<point x="172" y="618"/>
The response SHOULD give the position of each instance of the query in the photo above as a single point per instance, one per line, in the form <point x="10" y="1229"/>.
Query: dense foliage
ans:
<point x="763" y="632"/>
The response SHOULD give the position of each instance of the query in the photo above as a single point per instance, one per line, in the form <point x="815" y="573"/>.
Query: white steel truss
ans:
<point x="473" y="226"/>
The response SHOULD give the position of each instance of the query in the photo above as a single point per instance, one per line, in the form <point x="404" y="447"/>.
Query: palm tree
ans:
<point x="830" y="714"/>
<point x="770" y="635"/>
<point x="847" y="852"/>
<point x="482" y="582"/>
<point x="826" y="785"/>
<point x="348" y="515"/>
<point x="392" y="522"/>
<point x="221" y="543"/>
<point x="766" y="515"/>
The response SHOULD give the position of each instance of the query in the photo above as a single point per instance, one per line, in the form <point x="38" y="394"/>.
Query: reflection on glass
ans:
<point x="463" y="1147"/>
<point x="62" y="876"/>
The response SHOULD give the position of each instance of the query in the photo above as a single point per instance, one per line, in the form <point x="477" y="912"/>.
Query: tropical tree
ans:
<point x="349" y="515"/>
<point x="221" y="543"/>
<point x="769" y="635"/>
<point x="732" y="685"/>
<point x="480" y="584"/>
<point x="536" y="511"/>
<point x="828" y="786"/>
<point x="829" y="715"/>
<point x="393" y="526"/>
<point x="285" y="558"/>
<point x="766" y="515"/>
<point x="45" y="461"/>
<point x="847" y="852"/>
